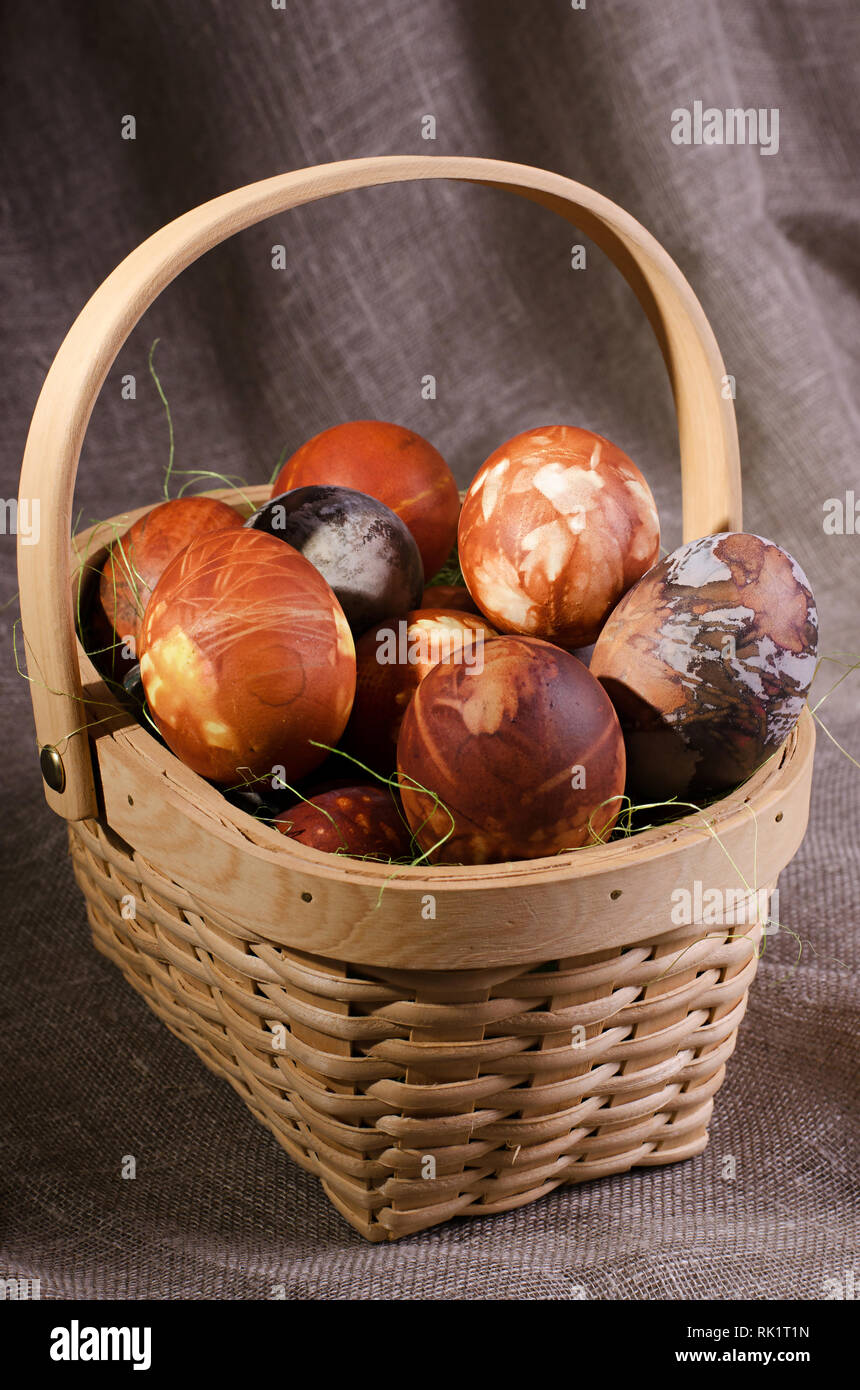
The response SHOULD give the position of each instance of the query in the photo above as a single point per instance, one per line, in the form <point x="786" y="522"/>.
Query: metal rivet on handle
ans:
<point x="52" y="768"/>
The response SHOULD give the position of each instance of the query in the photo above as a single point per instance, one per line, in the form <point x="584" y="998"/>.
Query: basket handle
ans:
<point x="706" y="424"/>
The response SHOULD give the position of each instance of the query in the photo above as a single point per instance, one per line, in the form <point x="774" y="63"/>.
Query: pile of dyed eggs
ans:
<point x="299" y="660"/>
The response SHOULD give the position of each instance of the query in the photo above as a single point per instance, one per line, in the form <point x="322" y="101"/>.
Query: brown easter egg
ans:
<point x="246" y="657"/>
<point x="526" y="755"/>
<point x="708" y="660"/>
<point x="449" y="596"/>
<point x="138" y="559"/>
<point x="357" y="821"/>
<point x="556" y="526"/>
<point x="392" y="464"/>
<point x="391" y="661"/>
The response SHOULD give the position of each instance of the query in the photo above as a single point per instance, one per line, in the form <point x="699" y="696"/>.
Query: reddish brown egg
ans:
<point x="359" y="821"/>
<point x="246" y="657"/>
<point x="556" y="526"/>
<point x="391" y="661"/>
<point x="708" y="660"/>
<point x="526" y="755"/>
<point x="449" y="596"/>
<point x="138" y="559"/>
<point x="392" y="464"/>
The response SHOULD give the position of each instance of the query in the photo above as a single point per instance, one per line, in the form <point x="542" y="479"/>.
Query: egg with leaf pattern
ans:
<point x="556" y="526"/>
<point x="391" y="660"/>
<point x="520" y="758"/>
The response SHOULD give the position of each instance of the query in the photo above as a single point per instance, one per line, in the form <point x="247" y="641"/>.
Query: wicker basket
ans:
<point x="450" y="1041"/>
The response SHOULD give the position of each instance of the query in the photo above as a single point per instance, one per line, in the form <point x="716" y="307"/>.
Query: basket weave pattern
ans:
<point x="416" y="1096"/>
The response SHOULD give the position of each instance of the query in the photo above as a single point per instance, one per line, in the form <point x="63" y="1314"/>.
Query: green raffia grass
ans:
<point x="278" y="466"/>
<point x="86" y="703"/>
<point x="450" y="573"/>
<point x="164" y="401"/>
<point x="852" y="664"/>
<point x="234" y="481"/>
<point x="393" y="785"/>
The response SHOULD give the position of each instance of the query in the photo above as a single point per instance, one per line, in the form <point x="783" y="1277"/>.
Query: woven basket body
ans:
<point x="415" y="1096"/>
<point x="440" y="1042"/>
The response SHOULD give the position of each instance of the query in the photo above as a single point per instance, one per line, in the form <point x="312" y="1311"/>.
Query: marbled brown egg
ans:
<point x="525" y="755"/>
<point x="708" y="661"/>
<point x="361" y="821"/>
<point x="391" y="660"/>
<point x="556" y="526"/>
<point x="247" y="660"/>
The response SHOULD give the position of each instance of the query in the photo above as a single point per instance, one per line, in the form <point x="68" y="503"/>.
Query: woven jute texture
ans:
<point x="477" y="289"/>
<point x="416" y="1096"/>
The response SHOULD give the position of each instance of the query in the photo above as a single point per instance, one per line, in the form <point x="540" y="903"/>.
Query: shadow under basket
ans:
<point x="430" y="1042"/>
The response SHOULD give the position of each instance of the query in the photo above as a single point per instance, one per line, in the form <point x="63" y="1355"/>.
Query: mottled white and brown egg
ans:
<point x="556" y="526"/>
<point x="708" y="661"/>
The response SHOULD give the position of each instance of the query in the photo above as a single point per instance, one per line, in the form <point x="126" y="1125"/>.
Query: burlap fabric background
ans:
<point x="383" y="288"/>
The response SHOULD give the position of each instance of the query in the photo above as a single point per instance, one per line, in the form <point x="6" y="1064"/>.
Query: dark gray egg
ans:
<point x="364" y="551"/>
<point x="135" y="696"/>
<point x="133" y="685"/>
